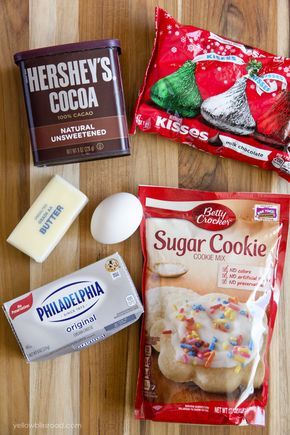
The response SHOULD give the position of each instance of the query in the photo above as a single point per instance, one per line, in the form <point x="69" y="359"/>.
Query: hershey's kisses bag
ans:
<point x="217" y="95"/>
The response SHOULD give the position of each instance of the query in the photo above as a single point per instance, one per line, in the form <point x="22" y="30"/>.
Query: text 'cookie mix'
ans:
<point x="213" y="265"/>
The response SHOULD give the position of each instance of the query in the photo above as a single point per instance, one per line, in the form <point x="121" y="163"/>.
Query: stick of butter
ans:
<point x="47" y="220"/>
<point x="75" y="311"/>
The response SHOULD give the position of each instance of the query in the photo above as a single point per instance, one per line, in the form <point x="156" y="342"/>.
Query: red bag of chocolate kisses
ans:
<point x="213" y="266"/>
<point x="217" y="95"/>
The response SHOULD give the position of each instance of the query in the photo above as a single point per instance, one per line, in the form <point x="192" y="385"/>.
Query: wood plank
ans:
<point x="95" y="389"/>
<point x="109" y="370"/>
<point x="279" y="417"/>
<point x="14" y="173"/>
<point x="55" y="22"/>
<point x="242" y="21"/>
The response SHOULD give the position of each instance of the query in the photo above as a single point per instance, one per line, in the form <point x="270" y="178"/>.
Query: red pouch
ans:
<point x="213" y="266"/>
<point x="217" y="95"/>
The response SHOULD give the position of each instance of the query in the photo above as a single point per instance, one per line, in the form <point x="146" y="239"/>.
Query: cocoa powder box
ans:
<point x="75" y="102"/>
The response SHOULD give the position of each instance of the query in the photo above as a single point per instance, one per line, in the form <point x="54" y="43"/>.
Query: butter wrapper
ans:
<point x="75" y="311"/>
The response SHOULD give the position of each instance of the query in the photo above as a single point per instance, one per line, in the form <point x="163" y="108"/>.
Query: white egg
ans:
<point x="116" y="218"/>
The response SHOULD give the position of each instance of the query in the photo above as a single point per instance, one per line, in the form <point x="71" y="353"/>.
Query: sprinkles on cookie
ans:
<point x="222" y="314"/>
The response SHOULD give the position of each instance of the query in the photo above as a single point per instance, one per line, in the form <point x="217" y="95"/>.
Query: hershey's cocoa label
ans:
<point x="75" y="99"/>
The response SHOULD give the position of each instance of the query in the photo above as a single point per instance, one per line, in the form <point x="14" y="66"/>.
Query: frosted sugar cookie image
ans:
<point x="159" y="303"/>
<point x="214" y="341"/>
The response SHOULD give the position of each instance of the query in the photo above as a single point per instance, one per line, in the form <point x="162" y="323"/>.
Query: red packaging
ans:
<point x="213" y="266"/>
<point x="217" y="95"/>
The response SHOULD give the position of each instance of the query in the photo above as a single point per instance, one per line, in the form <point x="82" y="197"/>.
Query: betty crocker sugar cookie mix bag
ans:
<point x="217" y="95"/>
<point x="213" y="265"/>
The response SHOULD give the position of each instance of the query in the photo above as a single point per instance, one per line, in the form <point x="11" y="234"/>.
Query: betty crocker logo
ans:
<point x="213" y="217"/>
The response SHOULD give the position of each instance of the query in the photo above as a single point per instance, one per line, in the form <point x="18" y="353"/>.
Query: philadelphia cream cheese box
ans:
<point x="75" y="311"/>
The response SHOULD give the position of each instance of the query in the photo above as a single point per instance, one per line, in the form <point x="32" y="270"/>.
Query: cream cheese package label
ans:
<point x="75" y="311"/>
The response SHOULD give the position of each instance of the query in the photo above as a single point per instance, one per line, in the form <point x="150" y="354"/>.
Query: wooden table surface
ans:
<point x="93" y="392"/>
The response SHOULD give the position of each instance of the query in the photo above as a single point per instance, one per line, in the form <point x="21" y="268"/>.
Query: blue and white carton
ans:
<point x="75" y="311"/>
